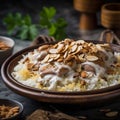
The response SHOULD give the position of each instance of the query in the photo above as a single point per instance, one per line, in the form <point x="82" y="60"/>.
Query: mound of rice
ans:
<point x="69" y="66"/>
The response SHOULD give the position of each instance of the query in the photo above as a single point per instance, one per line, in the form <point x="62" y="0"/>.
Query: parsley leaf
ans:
<point x="55" y="27"/>
<point x="22" y="26"/>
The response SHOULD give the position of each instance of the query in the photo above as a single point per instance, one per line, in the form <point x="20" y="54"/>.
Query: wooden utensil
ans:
<point x="88" y="9"/>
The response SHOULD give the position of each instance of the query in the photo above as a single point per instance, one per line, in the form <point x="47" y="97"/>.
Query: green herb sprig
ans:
<point x="22" y="26"/>
<point x="55" y="27"/>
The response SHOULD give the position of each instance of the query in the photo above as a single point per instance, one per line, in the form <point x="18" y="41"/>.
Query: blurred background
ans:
<point x="64" y="9"/>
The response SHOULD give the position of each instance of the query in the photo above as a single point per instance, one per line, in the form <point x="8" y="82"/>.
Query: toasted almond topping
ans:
<point x="91" y="58"/>
<point x="80" y="41"/>
<point x="46" y="59"/>
<point x="60" y="60"/>
<point x="60" y="47"/>
<point x="50" y="60"/>
<point x="74" y="48"/>
<point x="69" y="57"/>
<point x="66" y="54"/>
<point x="57" y="56"/>
<point x="53" y="55"/>
<point x="65" y="48"/>
<point x="43" y="47"/>
<point x="55" y="46"/>
<point x="68" y="41"/>
<point x="81" y="57"/>
<point x="53" y="51"/>
<point x="78" y="50"/>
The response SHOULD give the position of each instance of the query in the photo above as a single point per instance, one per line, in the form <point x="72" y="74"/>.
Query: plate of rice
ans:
<point x="69" y="71"/>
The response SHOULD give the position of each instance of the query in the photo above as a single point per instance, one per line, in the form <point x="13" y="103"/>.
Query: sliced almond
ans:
<point x="91" y="58"/>
<point x="74" y="48"/>
<point x="80" y="41"/>
<point x="57" y="56"/>
<point x="60" y="46"/>
<point x="78" y="50"/>
<point x="69" y="57"/>
<point x="60" y="60"/>
<point x="94" y="49"/>
<point x="55" y="46"/>
<point x="73" y="43"/>
<point x="53" y="55"/>
<point x="65" y="48"/>
<point x="82" y="58"/>
<point x="66" y="54"/>
<point x="43" y="47"/>
<point x="81" y="55"/>
<point x="67" y="41"/>
<point x="45" y="59"/>
<point x="53" y="51"/>
<point x="50" y="60"/>
<point x="90" y="44"/>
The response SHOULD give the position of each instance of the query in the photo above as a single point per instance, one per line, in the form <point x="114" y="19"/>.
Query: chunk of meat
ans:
<point x="62" y="71"/>
<point x="89" y="68"/>
<point x="48" y="71"/>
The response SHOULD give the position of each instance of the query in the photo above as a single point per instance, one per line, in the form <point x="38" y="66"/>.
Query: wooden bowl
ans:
<point x="110" y="15"/>
<point x="99" y="96"/>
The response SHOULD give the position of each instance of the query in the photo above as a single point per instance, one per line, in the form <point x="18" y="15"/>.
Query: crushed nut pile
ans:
<point x="3" y="46"/>
<point x="7" y="111"/>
